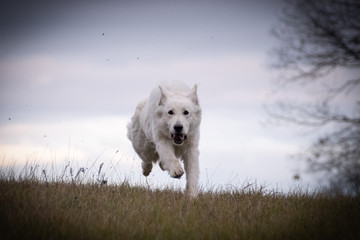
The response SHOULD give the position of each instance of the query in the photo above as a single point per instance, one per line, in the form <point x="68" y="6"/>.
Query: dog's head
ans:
<point x="179" y="114"/>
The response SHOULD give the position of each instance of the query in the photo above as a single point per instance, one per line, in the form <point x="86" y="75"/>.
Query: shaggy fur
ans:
<point x="165" y="128"/>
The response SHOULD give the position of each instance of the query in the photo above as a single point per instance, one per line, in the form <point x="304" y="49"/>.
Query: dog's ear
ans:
<point x="164" y="95"/>
<point x="193" y="95"/>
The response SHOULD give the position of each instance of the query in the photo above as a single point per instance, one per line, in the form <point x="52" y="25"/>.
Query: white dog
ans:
<point x="165" y="127"/>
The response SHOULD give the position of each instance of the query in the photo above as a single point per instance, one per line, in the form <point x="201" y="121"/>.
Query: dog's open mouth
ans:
<point x="178" y="138"/>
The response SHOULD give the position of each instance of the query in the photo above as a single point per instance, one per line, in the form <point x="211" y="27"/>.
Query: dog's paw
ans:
<point x="191" y="193"/>
<point x="177" y="171"/>
<point x="174" y="168"/>
<point x="147" y="167"/>
<point x="146" y="172"/>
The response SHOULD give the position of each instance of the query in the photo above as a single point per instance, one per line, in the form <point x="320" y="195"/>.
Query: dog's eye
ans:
<point x="171" y="112"/>
<point x="186" y="112"/>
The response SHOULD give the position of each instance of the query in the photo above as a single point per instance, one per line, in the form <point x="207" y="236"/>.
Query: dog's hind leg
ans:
<point x="145" y="149"/>
<point x="148" y="156"/>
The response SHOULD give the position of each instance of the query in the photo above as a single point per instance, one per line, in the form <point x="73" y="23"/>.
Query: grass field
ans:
<point x="34" y="209"/>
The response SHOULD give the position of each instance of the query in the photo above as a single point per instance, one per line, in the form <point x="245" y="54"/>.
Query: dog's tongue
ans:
<point x="179" y="138"/>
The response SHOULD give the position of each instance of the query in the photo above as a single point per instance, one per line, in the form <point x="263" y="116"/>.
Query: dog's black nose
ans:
<point x="178" y="127"/>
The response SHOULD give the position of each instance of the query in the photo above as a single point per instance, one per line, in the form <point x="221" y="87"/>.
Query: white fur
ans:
<point x="155" y="134"/>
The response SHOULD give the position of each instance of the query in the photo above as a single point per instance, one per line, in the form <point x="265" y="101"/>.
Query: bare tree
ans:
<point x="317" y="39"/>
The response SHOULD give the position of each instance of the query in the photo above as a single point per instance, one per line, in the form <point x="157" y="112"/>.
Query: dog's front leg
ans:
<point x="168" y="160"/>
<point x="191" y="163"/>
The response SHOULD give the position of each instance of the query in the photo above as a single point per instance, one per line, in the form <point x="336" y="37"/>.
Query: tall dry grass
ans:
<point x="33" y="208"/>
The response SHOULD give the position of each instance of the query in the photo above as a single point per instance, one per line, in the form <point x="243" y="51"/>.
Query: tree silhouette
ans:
<point x="319" y="40"/>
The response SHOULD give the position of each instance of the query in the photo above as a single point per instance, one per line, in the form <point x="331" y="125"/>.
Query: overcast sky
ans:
<point x="72" y="73"/>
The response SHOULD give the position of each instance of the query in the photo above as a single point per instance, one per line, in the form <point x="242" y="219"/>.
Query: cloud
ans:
<point x="51" y="84"/>
<point x="78" y="139"/>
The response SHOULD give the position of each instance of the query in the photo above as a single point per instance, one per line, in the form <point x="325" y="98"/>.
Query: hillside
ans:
<point x="31" y="209"/>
